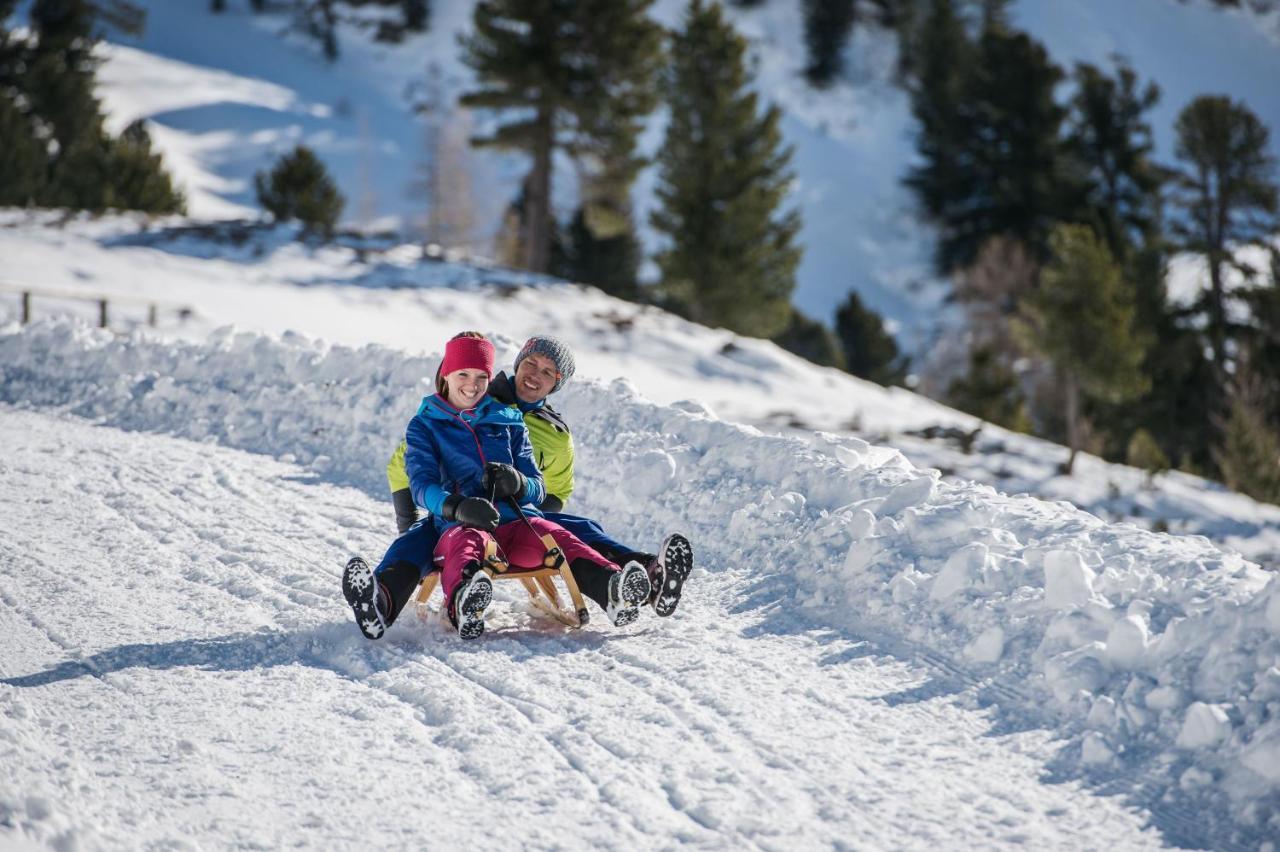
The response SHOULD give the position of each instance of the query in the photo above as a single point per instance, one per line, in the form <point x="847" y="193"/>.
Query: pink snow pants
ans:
<point x="460" y="546"/>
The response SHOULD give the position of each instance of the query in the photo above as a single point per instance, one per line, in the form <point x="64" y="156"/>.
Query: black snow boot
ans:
<point x="674" y="563"/>
<point x="628" y="589"/>
<point x="377" y="599"/>
<point x="470" y="599"/>
<point x="366" y="597"/>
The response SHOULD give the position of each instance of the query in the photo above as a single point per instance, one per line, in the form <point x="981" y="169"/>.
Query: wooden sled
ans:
<point x="538" y="582"/>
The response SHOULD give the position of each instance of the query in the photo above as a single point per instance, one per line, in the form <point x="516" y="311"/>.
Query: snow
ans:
<point x="184" y="552"/>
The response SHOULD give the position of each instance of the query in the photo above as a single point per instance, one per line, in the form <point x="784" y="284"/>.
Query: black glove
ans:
<point x="475" y="512"/>
<point x="552" y="503"/>
<point x="502" y="480"/>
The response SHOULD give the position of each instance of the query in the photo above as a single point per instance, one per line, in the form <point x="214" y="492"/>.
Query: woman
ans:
<point x="469" y="460"/>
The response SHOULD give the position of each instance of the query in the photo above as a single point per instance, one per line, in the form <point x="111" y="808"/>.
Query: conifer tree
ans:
<point x="827" y="25"/>
<point x="575" y="75"/>
<point x="1144" y="453"/>
<point x="1081" y="320"/>
<point x="1250" y="454"/>
<point x="138" y="180"/>
<point x="22" y="158"/>
<point x="991" y="157"/>
<point x="723" y="177"/>
<point x="610" y="263"/>
<point x="812" y="341"/>
<point x="990" y="390"/>
<point x="54" y="150"/>
<point x="1109" y="145"/>
<point x="1228" y="197"/>
<point x="299" y="187"/>
<point x="869" y="351"/>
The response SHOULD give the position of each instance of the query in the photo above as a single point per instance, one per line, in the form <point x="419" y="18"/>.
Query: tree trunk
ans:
<point x="1073" y="423"/>
<point x="537" y="245"/>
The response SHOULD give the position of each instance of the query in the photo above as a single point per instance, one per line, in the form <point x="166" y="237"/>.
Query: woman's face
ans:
<point x="466" y="387"/>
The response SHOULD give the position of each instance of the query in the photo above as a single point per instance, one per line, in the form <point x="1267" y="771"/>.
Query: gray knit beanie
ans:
<point x="549" y="347"/>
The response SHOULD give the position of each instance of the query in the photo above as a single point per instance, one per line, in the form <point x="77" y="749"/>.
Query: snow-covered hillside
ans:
<point x="226" y="94"/>
<point x="868" y="656"/>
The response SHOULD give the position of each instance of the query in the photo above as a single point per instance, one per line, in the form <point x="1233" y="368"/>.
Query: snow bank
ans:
<point x="1154" y="654"/>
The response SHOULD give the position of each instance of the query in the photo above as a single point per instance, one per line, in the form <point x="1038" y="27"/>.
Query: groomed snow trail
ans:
<point x="180" y="671"/>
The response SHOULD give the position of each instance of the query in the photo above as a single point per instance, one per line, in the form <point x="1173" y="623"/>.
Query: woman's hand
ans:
<point x="475" y="512"/>
<point x="502" y="480"/>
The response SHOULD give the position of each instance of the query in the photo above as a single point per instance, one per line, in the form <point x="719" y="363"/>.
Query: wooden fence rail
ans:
<point x="27" y="294"/>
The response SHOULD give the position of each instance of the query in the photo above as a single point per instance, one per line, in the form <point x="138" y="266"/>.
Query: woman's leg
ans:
<point x="616" y="591"/>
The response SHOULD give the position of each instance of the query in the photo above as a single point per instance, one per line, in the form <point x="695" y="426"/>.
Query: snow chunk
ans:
<point x="652" y="474"/>
<point x="1068" y="582"/>
<point x="1263" y="754"/>
<point x="1127" y="642"/>
<point x="1094" y="750"/>
<point x="988" y="647"/>
<point x="913" y="492"/>
<point x="1206" y="725"/>
<point x="958" y="574"/>
<point x="1273" y="606"/>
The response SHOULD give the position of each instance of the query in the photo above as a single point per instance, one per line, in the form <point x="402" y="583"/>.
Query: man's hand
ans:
<point x="502" y="480"/>
<point x="475" y="512"/>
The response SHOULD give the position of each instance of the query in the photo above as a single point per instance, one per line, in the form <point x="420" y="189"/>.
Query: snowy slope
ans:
<point x="869" y="657"/>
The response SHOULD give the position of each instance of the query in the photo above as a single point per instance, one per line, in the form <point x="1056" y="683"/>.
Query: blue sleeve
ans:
<point x="522" y="453"/>
<point x="422" y="464"/>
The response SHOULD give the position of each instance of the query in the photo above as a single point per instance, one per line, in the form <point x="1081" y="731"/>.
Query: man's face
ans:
<point x="535" y="377"/>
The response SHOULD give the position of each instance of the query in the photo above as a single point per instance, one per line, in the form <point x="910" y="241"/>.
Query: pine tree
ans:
<point x="1250" y="454"/>
<point x="1144" y="453"/>
<point x="827" y="25"/>
<point x="990" y="390"/>
<point x="1109" y="144"/>
<point x="812" y="341"/>
<point x="59" y="76"/>
<point x="1081" y="319"/>
<point x="54" y="150"/>
<point x="417" y="14"/>
<point x="991" y="157"/>
<point x="572" y="74"/>
<point x="299" y="187"/>
<point x="22" y="158"/>
<point x="944" y="115"/>
<point x="1228" y="197"/>
<point x="723" y="177"/>
<point x="610" y="263"/>
<point x="137" y="179"/>
<point x="869" y="351"/>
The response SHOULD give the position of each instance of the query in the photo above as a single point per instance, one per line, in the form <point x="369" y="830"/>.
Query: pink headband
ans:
<point x="468" y="353"/>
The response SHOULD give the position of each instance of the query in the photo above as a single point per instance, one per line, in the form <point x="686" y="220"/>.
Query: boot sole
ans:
<point x="361" y="591"/>
<point x="470" y="610"/>
<point x="635" y="589"/>
<point x="675" y="562"/>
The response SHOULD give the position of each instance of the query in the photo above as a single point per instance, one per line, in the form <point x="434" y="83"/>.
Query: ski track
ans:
<point x="179" y="662"/>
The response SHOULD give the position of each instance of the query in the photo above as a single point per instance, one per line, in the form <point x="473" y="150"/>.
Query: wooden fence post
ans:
<point x="102" y="313"/>
<point x="151" y="315"/>
<point x="26" y="306"/>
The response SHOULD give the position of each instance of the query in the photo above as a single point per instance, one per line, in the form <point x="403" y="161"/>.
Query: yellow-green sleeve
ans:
<point x="397" y="479"/>
<point x="553" y="452"/>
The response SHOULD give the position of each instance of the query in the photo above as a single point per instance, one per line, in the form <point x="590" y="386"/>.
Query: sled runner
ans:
<point x="538" y="582"/>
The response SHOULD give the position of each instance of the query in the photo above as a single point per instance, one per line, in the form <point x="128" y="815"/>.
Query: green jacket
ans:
<point x="549" y="434"/>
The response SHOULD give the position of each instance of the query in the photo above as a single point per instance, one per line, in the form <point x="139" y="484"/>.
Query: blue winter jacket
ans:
<point x="446" y="450"/>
